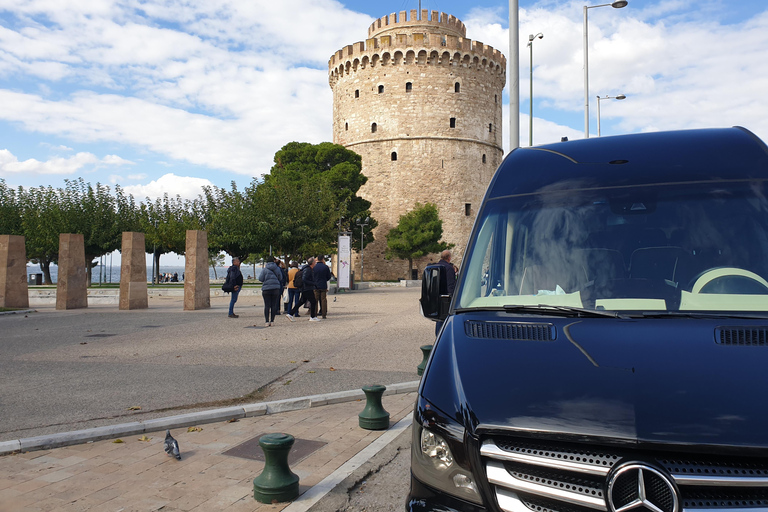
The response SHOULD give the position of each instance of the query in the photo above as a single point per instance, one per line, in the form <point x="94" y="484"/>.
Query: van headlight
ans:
<point x="434" y="464"/>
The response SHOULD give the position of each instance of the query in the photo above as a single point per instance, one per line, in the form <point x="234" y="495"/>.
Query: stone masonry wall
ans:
<point x="422" y="106"/>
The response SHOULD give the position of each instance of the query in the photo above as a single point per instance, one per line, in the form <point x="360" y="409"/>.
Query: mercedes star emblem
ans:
<point x="635" y="486"/>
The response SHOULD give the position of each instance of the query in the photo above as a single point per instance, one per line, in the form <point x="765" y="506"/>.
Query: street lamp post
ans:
<point x="619" y="97"/>
<point x="530" y="80"/>
<point x="362" y="224"/>
<point x="618" y="4"/>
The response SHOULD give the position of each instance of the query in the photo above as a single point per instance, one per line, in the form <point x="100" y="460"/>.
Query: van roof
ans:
<point x="682" y="156"/>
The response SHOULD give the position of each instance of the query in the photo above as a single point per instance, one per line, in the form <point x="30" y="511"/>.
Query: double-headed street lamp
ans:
<point x="531" y="38"/>
<point x="619" y="97"/>
<point x="618" y="4"/>
<point x="362" y="224"/>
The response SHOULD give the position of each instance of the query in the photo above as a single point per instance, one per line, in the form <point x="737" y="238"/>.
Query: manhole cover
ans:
<point x="100" y="335"/>
<point x="250" y="449"/>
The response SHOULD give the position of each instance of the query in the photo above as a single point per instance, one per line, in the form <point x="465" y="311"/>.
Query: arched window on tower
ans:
<point x="357" y="91"/>
<point x="453" y="122"/>
<point x="393" y="156"/>
<point x="490" y="125"/>
<point x="409" y="85"/>
<point x="484" y="159"/>
<point x="373" y="128"/>
<point x="381" y="89"/>
<point x="346" y="125"/>
<point x="457" y="87"/>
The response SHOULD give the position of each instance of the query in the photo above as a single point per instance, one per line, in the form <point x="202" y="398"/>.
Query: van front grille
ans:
<point x="545" y="476"/>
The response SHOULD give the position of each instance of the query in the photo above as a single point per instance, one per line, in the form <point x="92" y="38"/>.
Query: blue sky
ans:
<point x="164" y="96"/>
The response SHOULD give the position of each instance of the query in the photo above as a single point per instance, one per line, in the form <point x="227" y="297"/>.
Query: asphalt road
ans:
<point x="68" y="370"/>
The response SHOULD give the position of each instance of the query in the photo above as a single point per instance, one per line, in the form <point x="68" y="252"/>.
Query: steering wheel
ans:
<point x="730" y="280"/>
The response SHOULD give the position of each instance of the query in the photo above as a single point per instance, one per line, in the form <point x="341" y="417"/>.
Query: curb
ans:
<point x="185" y="420"/>
<point x="18" y="312"/>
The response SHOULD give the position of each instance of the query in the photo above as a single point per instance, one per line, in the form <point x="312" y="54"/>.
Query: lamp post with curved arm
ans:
<point x="618" y="4"/>
<point x="619" y="97"/>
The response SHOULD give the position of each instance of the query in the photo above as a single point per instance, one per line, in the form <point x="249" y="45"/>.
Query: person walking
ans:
<point x="322" y="276"/>
<point x="235" y="277"/>
<point x="293" y="292"/>
<point x="307" y="293"/>
<point x="272" y="280"/>
<point x="284" y="274"/>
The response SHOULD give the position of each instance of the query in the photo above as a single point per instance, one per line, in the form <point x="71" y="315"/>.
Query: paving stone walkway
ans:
<point x="137" y="475"/>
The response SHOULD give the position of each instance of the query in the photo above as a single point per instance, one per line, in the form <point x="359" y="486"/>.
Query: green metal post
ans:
<point x="373" y="417"/>
<point x="276" y="483"/>
<point x="426" y="350"/>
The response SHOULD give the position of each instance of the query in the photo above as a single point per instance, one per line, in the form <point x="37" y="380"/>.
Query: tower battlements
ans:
<point x="421" y="48"/>
<point x="438" y="20"/>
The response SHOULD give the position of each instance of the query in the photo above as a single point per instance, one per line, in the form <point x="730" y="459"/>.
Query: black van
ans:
<point x="606" y="348"/>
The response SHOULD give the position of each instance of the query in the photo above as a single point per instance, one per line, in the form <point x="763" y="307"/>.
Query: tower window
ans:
<point x="408" y="86"/>
<point x="381" y="89"/>
<point x="357" y="93"/>
<point x="453" y="122"/>
<point x="467" y="209"/>
<point x="346" y="126"/>
<point x="373" y="128"/>
<point x="393" y="156"/>
<point x="457" y="87"/>
<point x="490" y="127"/>
<point x="483" y="157"/>
<point x="496" y="96"/>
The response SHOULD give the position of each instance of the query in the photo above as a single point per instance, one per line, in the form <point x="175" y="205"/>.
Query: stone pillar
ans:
<point x="197" y="286"/>
<point x="72" y="284"/>
<point x="13" y="272"/>
<point x="133" y="272"/>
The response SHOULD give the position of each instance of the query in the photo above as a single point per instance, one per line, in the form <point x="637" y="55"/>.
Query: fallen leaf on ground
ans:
<point x="118" y="441"/>
<point x="83" y="342"/>
<point x="311" y="371"/>
<point x="134" y="408"/>
<point x="333" y="369"/>
<point x="144" y="438"/>
<point x="305" y="361"/>
<point x="233" y="420"/>
<point x="293" y="361"/>
<point x="195" y="429"/>
<point x="286" y="383"/>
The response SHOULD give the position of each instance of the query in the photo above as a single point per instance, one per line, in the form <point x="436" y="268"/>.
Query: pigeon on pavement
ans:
<point x="171" y="446"/>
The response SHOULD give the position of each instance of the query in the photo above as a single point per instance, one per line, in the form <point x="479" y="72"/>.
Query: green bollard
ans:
<point x="373" y="417"/>
<point x="276" y="483"/>
<point x="426" y="350"/>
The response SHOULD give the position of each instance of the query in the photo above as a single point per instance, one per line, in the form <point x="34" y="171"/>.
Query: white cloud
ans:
<point x="184" y="186"/>
<point x="10" y="164"/>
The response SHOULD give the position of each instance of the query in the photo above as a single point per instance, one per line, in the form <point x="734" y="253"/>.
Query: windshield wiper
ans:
<point x="697" y="314"/>
<point x="567" y="311"/>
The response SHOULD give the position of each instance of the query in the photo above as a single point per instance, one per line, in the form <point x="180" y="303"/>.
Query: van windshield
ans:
<point x="684" y="247"/>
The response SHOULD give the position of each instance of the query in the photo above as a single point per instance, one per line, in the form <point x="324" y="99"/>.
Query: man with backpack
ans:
<point x="234" y="280"/>
<point x="306" y="283"/>
<point x="322" y="276"/>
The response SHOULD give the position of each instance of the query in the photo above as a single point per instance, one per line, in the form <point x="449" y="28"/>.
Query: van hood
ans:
<point x="648" y="380"/>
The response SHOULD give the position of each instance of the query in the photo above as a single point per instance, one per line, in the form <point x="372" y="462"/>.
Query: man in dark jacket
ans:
<point x="322" y="276"/>
<point x="235" y="277"/>
<point x="307" y="293"/>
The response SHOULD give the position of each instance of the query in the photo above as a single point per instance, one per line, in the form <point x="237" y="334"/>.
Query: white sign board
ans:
<point x="345" y="261"/>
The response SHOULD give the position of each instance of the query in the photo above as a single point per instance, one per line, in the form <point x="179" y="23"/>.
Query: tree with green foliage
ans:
<point x="417" y="234"/>
<point x="42" y="219"/>
<point x="329" y="177"/>
<point x="10" y="211"/>
<point x="165" y="223"/>
<point x="230" y="220"/>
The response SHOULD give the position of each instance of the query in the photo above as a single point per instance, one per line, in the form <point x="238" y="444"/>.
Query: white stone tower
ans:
<point x="421" y="105"/>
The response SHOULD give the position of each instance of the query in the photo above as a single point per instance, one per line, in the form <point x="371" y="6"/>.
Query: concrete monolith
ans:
<point x="72" y="284"/>
<point x="13" y="272"/>
<point x="133" y="272"/>
<point x="197" y="287"/>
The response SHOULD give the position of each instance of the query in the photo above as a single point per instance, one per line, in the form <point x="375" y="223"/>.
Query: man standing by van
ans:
<point x="450" y="279"/>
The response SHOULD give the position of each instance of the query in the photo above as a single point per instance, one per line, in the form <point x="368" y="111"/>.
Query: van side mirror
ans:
<point x="435" y="300"/>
